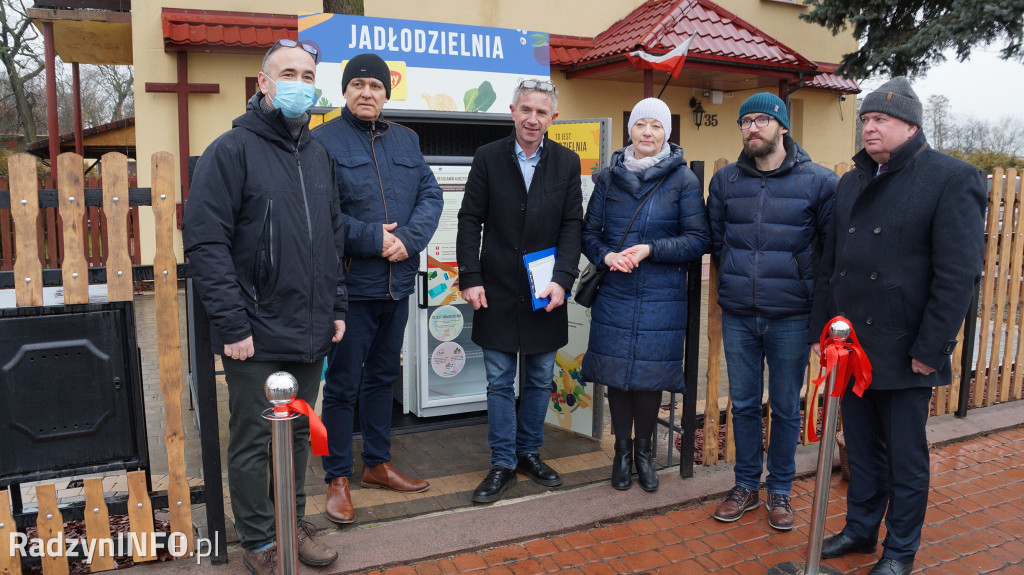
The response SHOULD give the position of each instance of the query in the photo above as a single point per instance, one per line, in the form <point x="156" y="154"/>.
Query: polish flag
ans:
<point x="671" y="62"/>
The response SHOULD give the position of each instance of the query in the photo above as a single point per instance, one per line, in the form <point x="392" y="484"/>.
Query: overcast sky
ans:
<point x="984" y="86"/>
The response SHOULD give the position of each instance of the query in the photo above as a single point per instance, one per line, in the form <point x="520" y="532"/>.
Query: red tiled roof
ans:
<point x="829" y="80"/>
<point x="217" y="31"/>
<point x="41" y="147"/>
<point x="658" y="26"/>
<point x="567" y="50"/>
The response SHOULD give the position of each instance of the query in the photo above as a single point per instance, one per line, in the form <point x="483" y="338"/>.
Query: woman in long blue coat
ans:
<point x="638" y="322"/>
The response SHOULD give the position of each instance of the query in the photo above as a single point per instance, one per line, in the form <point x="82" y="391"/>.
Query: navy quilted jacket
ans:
<point x="767" y="232"/>
<point x="638" y="322"/>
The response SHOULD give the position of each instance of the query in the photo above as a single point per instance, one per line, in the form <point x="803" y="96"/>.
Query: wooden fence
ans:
<point x="999" y="368"/>
<point x="26" y="215"/>
<point x="50" y="231"/>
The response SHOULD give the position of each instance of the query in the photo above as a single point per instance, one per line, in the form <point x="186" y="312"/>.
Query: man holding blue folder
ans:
<point x="523" y="196"/>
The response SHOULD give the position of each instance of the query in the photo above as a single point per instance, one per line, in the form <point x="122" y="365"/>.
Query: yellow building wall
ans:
<point x="822" y="124"/>
<point x="210" y="114"/>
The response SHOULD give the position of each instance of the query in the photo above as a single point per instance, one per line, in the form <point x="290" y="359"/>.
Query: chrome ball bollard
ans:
<point x="281" y="388"/>
<point x="840" y="330"/>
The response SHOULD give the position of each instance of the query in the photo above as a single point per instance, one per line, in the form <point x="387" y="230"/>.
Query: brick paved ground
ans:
<point x="975" y="524"/>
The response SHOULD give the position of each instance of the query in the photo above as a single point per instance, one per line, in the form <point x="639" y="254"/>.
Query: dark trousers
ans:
<point x="888" y="454"/>
<point x="363" y="366"/>
<point x="249" y="459"/>
<point x="633" y="410"/>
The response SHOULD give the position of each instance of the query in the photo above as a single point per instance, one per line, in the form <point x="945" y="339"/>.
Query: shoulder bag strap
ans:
<point x="637" y="211"/>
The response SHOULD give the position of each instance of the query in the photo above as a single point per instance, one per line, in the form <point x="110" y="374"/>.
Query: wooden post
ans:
<point x="169" y="342"/>
<point x="115" y="210"/>
<point x="140" y="515"/>
<point x="1016" y="267"/>
<point x="995" y="204"/>
<point x="28" y="272"/>
<point x="71" y="194"/>
<point x="97" y="524"/>
<point x="10" y="559"/>
<point x="714" y="373"/>
<point x="51" y="526"/>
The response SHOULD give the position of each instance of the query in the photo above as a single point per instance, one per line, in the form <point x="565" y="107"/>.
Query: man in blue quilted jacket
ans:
<point x="391" y="204"/>
<point x="768" y="213"/>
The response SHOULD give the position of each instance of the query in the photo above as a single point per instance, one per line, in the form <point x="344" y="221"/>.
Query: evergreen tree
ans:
<point x="905" y="37"/>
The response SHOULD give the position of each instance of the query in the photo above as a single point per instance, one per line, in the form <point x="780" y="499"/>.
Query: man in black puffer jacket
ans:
<point x="265" y="238"/>
<point x="768" y="213"/>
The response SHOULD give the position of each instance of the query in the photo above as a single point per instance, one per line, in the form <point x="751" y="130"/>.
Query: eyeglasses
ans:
<point x="310" y="47"/>
<point x="760" y="122"/>
<point x="539" y="85"/>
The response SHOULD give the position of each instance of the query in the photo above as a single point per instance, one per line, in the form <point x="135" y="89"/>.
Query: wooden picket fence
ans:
<point x="50" y="231"/>
<point x="25" y="213"/>
<point x="999" y="368"/>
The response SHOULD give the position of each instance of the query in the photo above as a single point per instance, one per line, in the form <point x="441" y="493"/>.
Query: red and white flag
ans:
<point x="671" y="62"/>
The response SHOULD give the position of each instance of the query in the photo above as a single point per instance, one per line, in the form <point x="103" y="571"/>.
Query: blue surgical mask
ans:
<point x="293" y="97"/>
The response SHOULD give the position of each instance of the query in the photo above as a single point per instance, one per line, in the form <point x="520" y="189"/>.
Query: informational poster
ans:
<point x="573" y="404"/>
<point x="434" y="66"/>
<point x="455" y="364"/>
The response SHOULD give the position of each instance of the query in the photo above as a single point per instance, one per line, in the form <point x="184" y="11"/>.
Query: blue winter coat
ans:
<point x="382" y="178"/>
<point x="638" y="322"/>
<point x="767" y="232"/>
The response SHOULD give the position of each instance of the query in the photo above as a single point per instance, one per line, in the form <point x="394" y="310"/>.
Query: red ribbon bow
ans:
<point x="847" y="359"/>
<point x="317" y="431"/>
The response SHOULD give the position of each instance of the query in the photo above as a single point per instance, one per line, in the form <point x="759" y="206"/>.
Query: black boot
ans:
<point x="622" y="464"/>
<point x="647" y="475"/>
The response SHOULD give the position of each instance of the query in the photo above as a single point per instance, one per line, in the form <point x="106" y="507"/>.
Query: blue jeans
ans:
<point x="363" y="366"/>
<point x="749" y="341"/>
<point x="510" y="435"/>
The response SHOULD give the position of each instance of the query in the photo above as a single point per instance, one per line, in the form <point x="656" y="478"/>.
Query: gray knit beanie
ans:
<point x="897" y="99"/>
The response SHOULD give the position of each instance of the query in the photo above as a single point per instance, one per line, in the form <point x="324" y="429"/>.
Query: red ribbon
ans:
<point x="317" y="431"/>
<point x="847" y="359"/>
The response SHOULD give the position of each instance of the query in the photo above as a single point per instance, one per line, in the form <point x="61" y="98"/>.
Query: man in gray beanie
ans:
<point x="391" y="204"/>
<point x="901" y="260"/>
<point x="768" y="213"/>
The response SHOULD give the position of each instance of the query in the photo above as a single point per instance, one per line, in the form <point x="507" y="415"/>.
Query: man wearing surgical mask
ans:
<point x="264" y="236"/>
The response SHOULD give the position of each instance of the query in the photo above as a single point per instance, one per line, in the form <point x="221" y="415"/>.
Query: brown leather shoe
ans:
<point x="311" y="550"/>
<point x="780" y="512"/>
<point x="385" y="476"/>
<point x="737" y="502"/>
<point x="261" y="562"/>
<point x="339" y="501"/>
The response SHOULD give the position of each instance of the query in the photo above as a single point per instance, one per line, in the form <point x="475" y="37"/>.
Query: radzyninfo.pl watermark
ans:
<point x="134" y="544"/>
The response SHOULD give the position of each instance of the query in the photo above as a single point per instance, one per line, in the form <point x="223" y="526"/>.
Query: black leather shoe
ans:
<point x="622" y="464"/>
<point x="646" y="472"/>
<point x="537" y="470"/>
<point x="890" y="566"/>
<point x="839" y="545"/>
<point x="497" y="481"/>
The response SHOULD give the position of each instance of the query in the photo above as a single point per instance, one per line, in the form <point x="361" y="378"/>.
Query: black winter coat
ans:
<point x="767" y="231"/>
<point x="638" y="322"/>
<point x="903" y="254"/>
<point x="514" y="223"/>
<point x="264" y="237"/>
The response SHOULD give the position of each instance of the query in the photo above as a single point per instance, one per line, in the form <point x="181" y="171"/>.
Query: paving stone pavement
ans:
<point x="974" y="525"/>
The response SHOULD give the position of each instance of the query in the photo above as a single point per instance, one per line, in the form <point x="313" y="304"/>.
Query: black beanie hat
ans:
<point x="897" y="99"/>
<point x="367" y="66"/>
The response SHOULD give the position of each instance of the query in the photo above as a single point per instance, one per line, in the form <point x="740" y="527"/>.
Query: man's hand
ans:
<point x="816" y="348"/>
<point x="389" y="238"/>
<point x="241" y="350"/>
<point x="918" y="367"/>
<point x="557" y="294"/>
<point x="475" y="296"/>
<point x="397" y="251"/>
<point x="339" y="330"/>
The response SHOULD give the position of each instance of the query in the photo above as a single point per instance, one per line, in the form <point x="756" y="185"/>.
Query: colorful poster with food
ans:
<point x="434" y="65"/>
